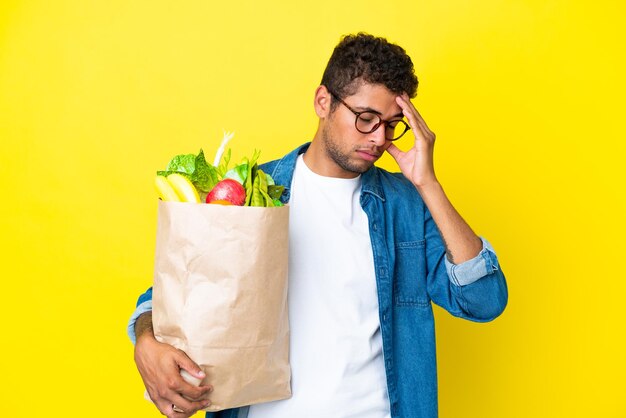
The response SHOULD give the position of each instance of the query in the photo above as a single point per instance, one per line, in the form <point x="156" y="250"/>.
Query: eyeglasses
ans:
<point x="367" y="122"/>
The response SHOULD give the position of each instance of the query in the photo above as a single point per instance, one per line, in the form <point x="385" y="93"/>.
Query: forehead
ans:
<point x="375" y="97"/>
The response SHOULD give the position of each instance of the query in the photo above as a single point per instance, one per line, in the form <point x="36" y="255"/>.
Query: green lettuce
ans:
<point x="195" y="167"/>
<point x="238" y="173"/>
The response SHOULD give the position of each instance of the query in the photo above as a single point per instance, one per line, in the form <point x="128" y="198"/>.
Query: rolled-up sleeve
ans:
<point x="474" y="289"/>
<point x="144" y="304"/>
<point x="467" y="272"/>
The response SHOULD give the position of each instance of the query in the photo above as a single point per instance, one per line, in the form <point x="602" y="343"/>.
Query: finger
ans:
<point x="189" y="406"/>
<point x="410" y="113"/>
<point x="192" y="376"/>
<point x="179" y="386"/>
<point x="173" y="385"/>
<point x="395" y="151"/>
<point x="177" y="412"/>
<point x="418" y="116"/>
<point x="424" y="139"/>
<point x="199" y="394"/>
<point x="194" y="381"/>
<point x="167" y="409"/>
<point x="191" y="391"/>
<point x="185" y="363"/>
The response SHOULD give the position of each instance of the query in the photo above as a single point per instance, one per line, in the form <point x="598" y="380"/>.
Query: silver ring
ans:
<point x="177" y="409"/>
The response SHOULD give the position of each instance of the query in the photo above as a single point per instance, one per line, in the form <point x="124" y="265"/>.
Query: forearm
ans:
<point x="144" y="325"/>
<point x="461" y="242"/>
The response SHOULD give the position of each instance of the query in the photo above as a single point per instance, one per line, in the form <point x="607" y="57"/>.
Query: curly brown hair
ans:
<point x="365" y="58"/>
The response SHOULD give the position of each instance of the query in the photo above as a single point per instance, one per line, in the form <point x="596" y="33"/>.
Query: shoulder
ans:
<point x="282" y="169"/>
<point x="288" y="160"/>
<point x="269" y="166"/>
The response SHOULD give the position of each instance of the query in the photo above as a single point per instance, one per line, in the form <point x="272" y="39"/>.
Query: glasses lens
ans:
<point x="395" y="129"/>
<point x="366" y="122"/>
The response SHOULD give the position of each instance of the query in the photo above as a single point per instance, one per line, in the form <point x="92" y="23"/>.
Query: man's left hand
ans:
<point x="417" y="163"/>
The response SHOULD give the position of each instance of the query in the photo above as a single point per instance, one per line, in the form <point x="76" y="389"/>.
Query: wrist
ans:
<point x="145" y="341"/>
<point x="146" y="336"/>
<point x="429" y="187"/>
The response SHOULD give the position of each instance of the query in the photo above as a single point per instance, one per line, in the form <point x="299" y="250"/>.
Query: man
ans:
<point x="369" y="252"/>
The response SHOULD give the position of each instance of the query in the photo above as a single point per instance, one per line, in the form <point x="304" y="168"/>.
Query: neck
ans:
<point x="320" y="162"/>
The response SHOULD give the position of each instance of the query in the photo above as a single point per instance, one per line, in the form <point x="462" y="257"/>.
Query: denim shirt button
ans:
<point x="375" y="226"/>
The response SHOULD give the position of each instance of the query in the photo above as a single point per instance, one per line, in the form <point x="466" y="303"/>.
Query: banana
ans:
<point x="165" y="190"/>
<point x="184" y="188"/>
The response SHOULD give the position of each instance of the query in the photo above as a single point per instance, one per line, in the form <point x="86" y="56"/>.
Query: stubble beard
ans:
<point x="340" y="158"/>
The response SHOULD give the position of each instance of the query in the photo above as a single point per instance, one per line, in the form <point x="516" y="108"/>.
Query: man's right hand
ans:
<point x="159" y="365"/>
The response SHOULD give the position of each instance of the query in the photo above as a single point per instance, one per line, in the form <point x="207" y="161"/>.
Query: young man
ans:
<point x="369" y="252"/>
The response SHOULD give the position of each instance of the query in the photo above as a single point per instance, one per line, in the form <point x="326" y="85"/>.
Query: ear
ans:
<point x="322" y="102"/>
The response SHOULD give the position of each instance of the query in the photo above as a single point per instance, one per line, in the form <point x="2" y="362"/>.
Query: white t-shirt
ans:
<point x="335" y="343"/>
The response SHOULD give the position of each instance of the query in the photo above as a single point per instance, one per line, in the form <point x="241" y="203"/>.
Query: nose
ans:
<point x="378" y="136"/>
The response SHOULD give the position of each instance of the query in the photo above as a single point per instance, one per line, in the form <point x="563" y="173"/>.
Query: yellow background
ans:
<point x="526" y="98"/>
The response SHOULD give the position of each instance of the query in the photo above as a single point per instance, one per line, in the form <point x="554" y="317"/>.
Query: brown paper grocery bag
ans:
<point x="220" y="295"/>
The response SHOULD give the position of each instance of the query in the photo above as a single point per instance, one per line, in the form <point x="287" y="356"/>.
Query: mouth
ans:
<point x="368" y="155"/>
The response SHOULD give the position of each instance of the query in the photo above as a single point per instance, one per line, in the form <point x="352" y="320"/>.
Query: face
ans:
<point x="348" y="150"/>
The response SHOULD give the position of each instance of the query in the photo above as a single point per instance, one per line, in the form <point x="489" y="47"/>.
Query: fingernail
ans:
<point x="201" y="373"/>
<point x="210" y="389"/>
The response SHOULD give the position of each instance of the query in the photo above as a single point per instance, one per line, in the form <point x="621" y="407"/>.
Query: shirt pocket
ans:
<point x="410" y="274"/>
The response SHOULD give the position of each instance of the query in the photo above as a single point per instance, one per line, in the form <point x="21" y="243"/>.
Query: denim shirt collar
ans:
<point x="283" y="173"/>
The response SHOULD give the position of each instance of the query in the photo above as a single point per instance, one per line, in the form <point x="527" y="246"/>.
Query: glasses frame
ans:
<point x="381" y="121"/>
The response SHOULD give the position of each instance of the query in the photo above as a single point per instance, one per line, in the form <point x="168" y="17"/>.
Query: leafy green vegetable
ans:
<point x="250" y="177"/>
<point x="183" y="163"/>
<point x="238" y="173"/>
<point x="167" y="173"/>
<point x="202" y="174"/>
<point x="263" y="189"/>
<point x="205" y="176"/>
<point x="274" y="191"/>
<point x="223" y="167"/>
<point x="257" y="197"/>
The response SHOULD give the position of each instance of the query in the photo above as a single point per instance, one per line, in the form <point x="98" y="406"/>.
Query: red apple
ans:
<point x="230" y="190"/>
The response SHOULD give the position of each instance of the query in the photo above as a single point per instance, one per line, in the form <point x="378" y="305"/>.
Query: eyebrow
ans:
<point x="369" y="109"/>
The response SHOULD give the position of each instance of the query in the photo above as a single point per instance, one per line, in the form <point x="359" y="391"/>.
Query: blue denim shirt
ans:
<point x="412" y="272"/>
